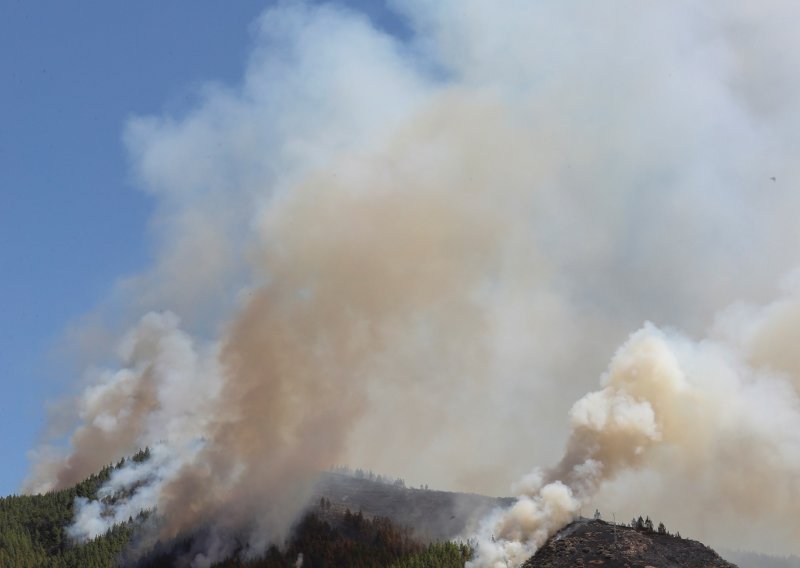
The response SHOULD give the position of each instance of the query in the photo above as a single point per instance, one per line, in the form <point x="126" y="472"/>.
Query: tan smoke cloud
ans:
<point x="691" y="412"/>
<point x="375" y="277"/>
<point x="163" y="391"/>
<point x="414" y="256"/>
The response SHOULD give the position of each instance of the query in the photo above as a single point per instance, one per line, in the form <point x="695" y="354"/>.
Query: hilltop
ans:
<point x="596" y="543"/>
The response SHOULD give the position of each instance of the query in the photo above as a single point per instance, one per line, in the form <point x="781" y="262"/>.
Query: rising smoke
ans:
<point x="692" y="411"/>
<point x="413" y="254"/>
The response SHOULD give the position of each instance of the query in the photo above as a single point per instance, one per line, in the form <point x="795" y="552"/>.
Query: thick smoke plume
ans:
<point x="693" y="411"/>
<point x="413" y="254"/>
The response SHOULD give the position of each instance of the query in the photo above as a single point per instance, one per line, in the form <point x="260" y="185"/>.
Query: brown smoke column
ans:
<point x="360" y="278"/>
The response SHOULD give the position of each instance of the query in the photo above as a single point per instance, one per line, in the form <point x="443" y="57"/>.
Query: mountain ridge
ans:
<point x="354" y="513"/>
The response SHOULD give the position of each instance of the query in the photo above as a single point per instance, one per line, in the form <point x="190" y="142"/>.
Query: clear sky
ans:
<point x="71" y="220"/>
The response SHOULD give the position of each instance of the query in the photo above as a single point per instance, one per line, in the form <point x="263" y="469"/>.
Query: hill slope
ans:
<point x="33" y="529"/>
<point x="431" y="515"/>
<point x="597" y="543"/>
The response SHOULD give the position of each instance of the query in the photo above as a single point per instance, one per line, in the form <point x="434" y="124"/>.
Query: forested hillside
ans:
<point x="33" y="528"/>
<point x="354" y="521"/>
<point x="33" y="533"/>
<point x="330" y="539"/>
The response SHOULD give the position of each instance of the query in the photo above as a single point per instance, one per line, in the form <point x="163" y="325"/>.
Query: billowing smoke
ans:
<point x="165" y="390"/>
<point x="692" y="411"/>
<point x="414" y="254"/>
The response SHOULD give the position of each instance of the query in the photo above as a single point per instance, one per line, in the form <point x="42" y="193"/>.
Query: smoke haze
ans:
<point x="415" y="254"/>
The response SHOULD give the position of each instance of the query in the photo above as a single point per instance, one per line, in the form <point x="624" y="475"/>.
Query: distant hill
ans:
<point x="597" y="543"/>
<point x="431" y="515"/>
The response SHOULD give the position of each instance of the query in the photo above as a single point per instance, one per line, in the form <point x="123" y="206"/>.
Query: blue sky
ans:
<point x="71" y="220"/>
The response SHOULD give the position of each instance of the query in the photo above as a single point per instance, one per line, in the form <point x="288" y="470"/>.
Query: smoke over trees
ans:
<point x="447" y="236"/>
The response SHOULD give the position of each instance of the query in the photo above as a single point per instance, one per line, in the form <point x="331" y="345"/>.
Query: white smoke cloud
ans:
<point x="449" y="234"/>
<point x="132" y="489"/>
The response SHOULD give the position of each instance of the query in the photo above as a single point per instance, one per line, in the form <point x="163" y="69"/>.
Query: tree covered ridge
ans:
<point x="33" y="528"/>
<point x="33" y="533"/>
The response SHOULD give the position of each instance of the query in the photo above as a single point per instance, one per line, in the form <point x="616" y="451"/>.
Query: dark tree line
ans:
<point x="359" y="542"/>
<point x="370" y="475"/>
<point x="646" y="525"/>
